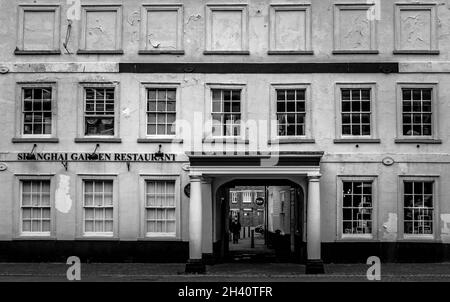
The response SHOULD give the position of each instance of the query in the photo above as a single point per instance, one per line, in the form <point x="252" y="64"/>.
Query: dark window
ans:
<point x="99" y="111"/>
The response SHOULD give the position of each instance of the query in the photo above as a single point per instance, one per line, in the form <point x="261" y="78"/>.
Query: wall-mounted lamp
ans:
<point x="65" y="164"/>
<point x="128" y="166"/>
<point x="159" y="155"/>
<point x="94" y="155"/>
<point x="31" y="155"/>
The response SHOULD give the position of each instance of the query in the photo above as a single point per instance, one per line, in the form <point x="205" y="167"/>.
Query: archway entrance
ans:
<point x="209" y="171"/>
<point x="262" y="221"/>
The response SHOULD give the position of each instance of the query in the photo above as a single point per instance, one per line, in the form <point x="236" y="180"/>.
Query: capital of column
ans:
<point x="206" y="180"/>
<point x="314" y="176"/>
<point x="195" y="177"/>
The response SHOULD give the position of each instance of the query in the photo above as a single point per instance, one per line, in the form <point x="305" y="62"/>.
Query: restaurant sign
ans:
<point x="120" y="157"/>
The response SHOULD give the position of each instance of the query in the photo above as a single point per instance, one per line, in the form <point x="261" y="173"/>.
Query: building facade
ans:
<point x="345" y="100"/>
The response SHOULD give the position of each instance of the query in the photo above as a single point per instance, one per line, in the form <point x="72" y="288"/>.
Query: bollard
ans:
<point x="253" y="239"/>
<point x="243" y="233"/>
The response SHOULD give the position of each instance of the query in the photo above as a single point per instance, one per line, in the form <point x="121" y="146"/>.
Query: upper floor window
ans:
<point x="226" y="112"/>
<point x="99" y="111"/>
<point x="417" y="118"/>
<point x="38" y="29"/>
<point x="234" y="197"/>
<point x="355" y="112"/>
<point x="161" y="111"/>
<point x="35" y="207"/>
<point x="37" y="110"/>
<point x="247" y="196"/>
<point x="417" y="112"/>
<point x="291" y="112"/>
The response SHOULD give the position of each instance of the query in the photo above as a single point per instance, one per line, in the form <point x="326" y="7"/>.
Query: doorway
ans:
<point x="262" y="221"/>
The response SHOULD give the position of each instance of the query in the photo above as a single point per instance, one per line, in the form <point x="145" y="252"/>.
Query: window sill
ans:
<point x="159" y="238"/>
<point x="355" y="52"/>
<point x="87" y="140"/>
<point x="290" y="52"/>
<point x="37" y="52"/>
<point x="34" y="237"/>
<point x="97" y="237"/>
<point x="416" y="52"/>
<point x="357" y="239"/>
<point x="226" y="52"/>
<point x="151" y="140"/>
<point x="100" y="52"/>
<point x="281" y="141"/>
<point x="227" y="140"/>
<point x="418" y="238"/>
<point x="26" y="140"/>
<point x="357" y="141"/>
<point x="161" y="52"/>
<point x="417" y="141"/>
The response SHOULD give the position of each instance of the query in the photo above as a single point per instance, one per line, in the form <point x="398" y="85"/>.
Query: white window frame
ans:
<point x="274" y="8"/>
<point x="210" y="8"/>
<point x="234" y="199"/>
<point x="178" y="8"/>
<point x="401" y="203"/>
<point x="244" y="193"/>
<point x="208" y="133"/>
<point x="434" y="110"/>
<point x="273" y="121"/>
<point x="340" y="202"/>
<point x="85" y="9"/>
<point x="369" y="8"/>
<point x="17" y="210"/>
<point x="21" y="26"/>
<point x="82" y="106"/>
<point x="19" y="109"/>
<point x="143" y="108"/>
<point x="434" y="41"/>
<point x="80" y="227"/>
<point x="373" y="110"/>
<point x="144" y="178"/>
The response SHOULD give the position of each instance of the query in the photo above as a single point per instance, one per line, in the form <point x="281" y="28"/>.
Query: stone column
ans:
<point x="207" y="237"/>
<point x="195" y="263"/>
<point x="314" y="264"/>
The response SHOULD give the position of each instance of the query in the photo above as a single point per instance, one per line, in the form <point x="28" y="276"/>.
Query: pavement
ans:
<point x="227" y="272"/>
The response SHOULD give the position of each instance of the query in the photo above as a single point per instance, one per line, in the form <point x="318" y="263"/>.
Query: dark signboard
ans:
<point x="132" y="157"/>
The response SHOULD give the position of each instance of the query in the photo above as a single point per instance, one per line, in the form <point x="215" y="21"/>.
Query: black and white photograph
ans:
<point x="224" y="148"/>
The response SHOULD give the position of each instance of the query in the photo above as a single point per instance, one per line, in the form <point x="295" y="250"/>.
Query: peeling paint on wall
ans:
<point x="126" y="112"/>
<point x="193" y="18"/>
<point x="390" y="227"/>
<point x="63" y="202"/>
<point x="445" y="218"/>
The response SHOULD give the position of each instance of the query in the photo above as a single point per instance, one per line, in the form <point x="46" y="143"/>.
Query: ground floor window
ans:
<point x="35" y="206"/>
<point x="357" y="207"/>
<point x="418" y="207"/>
<point x="160" y="207"/>
<point x="98" y="206"/>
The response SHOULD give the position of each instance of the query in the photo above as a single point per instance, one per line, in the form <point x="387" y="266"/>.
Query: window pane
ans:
<point x="160" y="197"/>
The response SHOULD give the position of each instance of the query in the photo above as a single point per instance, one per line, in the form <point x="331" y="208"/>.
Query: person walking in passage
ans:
<point x="235" y="229"/>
